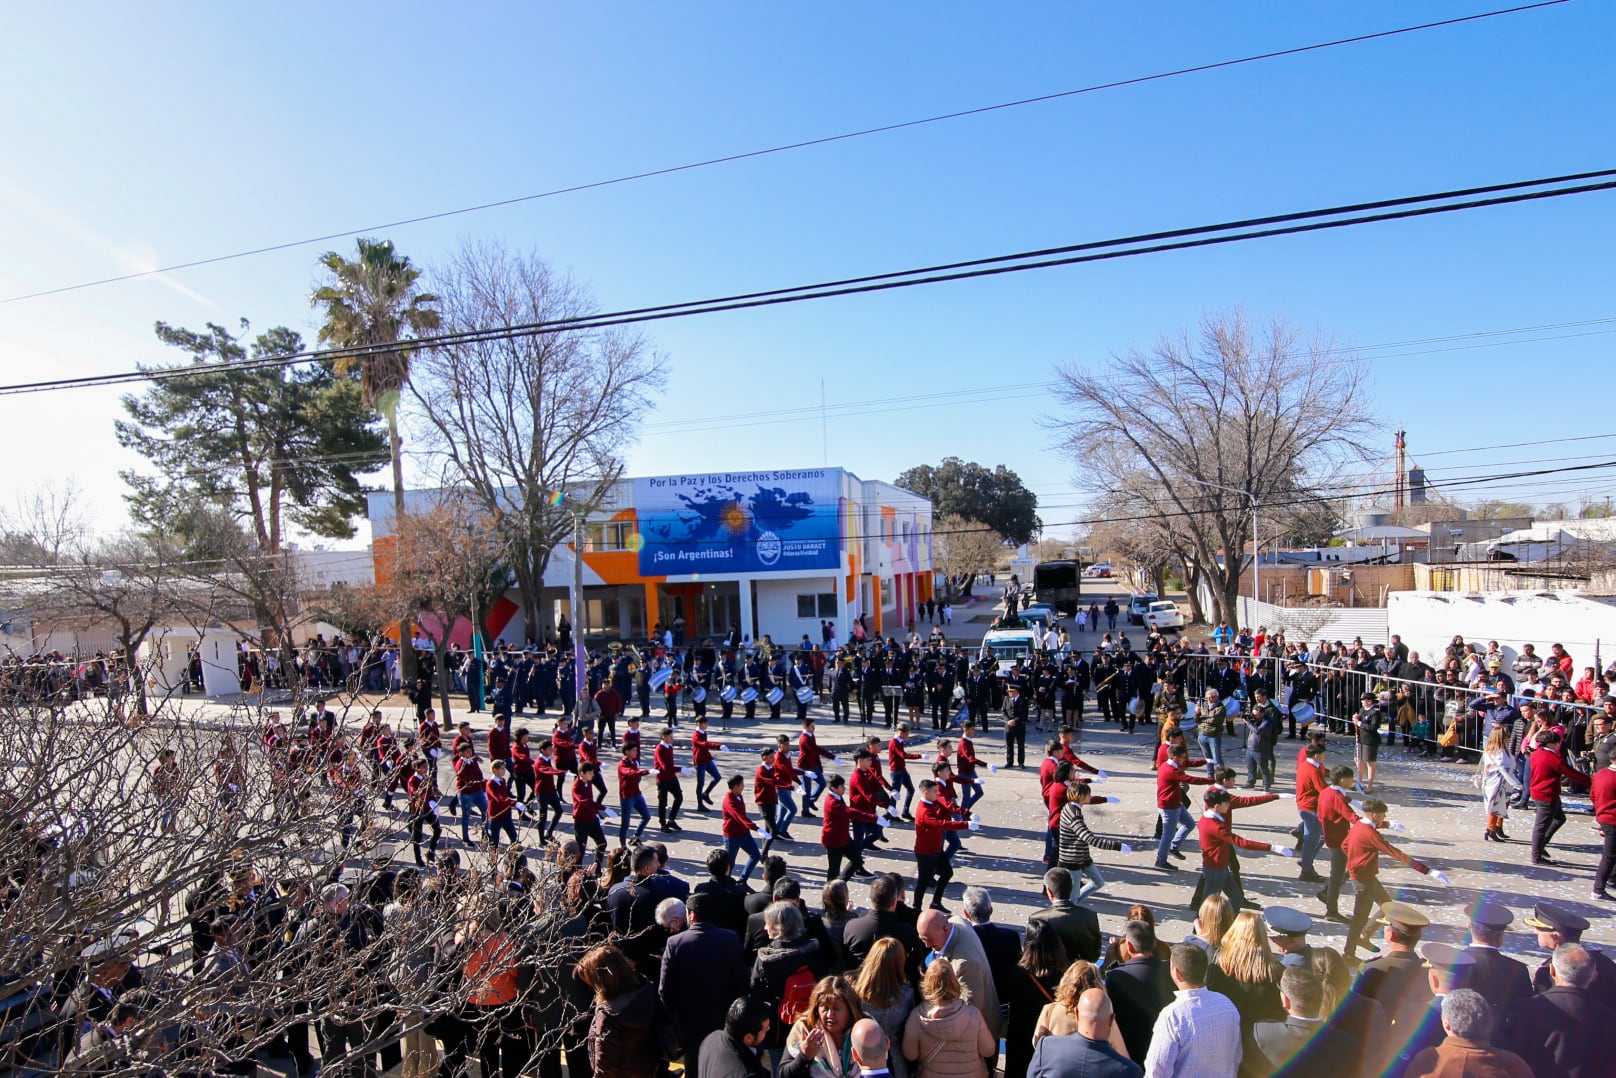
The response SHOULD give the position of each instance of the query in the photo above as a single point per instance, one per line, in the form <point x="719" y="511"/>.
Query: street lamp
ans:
<point x="1256" y="548"/>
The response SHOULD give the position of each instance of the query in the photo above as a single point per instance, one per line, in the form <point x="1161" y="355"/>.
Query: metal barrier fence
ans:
<point x="1339" y="690"/>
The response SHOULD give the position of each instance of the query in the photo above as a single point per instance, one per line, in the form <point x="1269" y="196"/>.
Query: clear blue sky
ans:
<point x="144" y="136"/>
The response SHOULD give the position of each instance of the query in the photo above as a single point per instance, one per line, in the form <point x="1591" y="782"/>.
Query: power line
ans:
<point x="1094" y="251"/>
<point x="787" y="147"/>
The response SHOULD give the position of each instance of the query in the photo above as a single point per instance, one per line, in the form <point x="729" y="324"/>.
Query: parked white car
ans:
<point x="1164" y="614"/>
<point x="1004" y="647"/>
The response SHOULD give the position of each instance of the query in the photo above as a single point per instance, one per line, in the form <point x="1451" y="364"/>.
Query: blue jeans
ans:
<point x="1221" y="881"/>
<point x="1212" y="749"/>
<point x="704" y="789"/>
<point x="810" y="793"/>
<point x="628" y="804"/>
<point x="902" y="781"/>
<point x="864" y="835"/>
<point x="1092" y="881"/>
<point x="970" y="792"/>
<point x="749" y="844"/>
<point x="1176" y="823"/>
<point x="785" y="811"/>
<point x="467" y="802"/>
<point x="1312" y="839"/>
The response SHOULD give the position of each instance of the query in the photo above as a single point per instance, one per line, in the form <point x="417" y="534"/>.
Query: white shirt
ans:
<point x="1197" y="1035"/>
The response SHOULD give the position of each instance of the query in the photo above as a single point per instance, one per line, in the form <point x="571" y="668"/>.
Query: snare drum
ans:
<point x="727" y="694"/>
<point x="748" y="695"/>
<point x="1231" y="706"/>
<point x="698" y="694"/>
<point x="805" y="695"/>
<point x="775" y="696"/>
<point x="1303" y="713"/>
<point x="660" y="678"/>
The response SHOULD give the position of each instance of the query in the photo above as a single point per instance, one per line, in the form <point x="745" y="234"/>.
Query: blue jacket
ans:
<point x="1076" y="1056"/>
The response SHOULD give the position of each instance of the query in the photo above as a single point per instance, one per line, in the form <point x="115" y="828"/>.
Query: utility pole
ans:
<point x="575" y="600"/>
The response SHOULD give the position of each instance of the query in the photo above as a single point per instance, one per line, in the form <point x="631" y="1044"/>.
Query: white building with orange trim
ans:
<point x="774" y="551"/>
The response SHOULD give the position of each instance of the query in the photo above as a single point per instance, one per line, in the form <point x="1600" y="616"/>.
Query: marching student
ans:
<point x="631" y="736"/>
<point x="785" y="789"/>
<point x="737" y="829"/>
<point x="1075" y="840"/>
<point x="810" y="761"/>
<point x="547" y="779"/>
<point x="1311" y="781"/>
<point x="1218" y="843"/>
<point x="1547" y="766"/>
<point x="502" y="805"/>
<point x="564" y="745"/>
<point x="1363" y="846"/>
<point x="667" y="781"/>
<point x="588" y="753"/>
<point x="1070" y="755"/>
<point x="898" y="757"/>
<point x="870" y="794"/>
<point x="523" y="776"/>
<point x="835" y="833"/>
<point x="970" y="785"/>
<point x="499" y="740"/>
<point x="943" y="777"/>
<point x="1336" y="817"/>
<point x="933" y="865"/>
<point x="586" y="813"/>
<point x="470" y="788"/>
<point x="766" y="786"/>
<point x="421" y="790"/>
<point x="701" y="758"/>
<point x="1172" y="800"/>
<point x="629" y="774"/>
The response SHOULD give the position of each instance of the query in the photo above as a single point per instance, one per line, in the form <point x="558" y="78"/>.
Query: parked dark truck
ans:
<point x="1058" y="583"/>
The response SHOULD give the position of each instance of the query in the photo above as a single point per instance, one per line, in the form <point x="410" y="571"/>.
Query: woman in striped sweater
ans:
<point x="1075" y="839"/>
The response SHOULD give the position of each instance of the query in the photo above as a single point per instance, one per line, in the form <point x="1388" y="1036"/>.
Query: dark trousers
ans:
<point x="932" y="868"/>
<point x="1015" y="744"/>
<point x="1606" y="874"/>
<point x="590" y="831"/>
<point x="840" y="709"/>
<point x="1547" y="818"/>
<point x="666" y="790"/>
<point x="502" y="1043"/>
<point x="1338" y="878"/>
<point x="1223" y="881"/>
<point x="890" y="705"/>
<point x="834" y="856"/>
<point x="902" y="781"/>
<point x="1260" y="760"/>
<point x="866" y="708"/>
<point x="417" y="829"/>
<point x="1369" y="895"/>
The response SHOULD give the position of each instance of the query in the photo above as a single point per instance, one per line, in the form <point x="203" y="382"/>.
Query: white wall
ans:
<point x="777" y="608"/>
<point x="1428" y="620"/>
<point x="1368" y="623"/>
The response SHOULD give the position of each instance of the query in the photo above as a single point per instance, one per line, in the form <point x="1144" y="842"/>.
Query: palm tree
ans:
<point x="374" y="302"/>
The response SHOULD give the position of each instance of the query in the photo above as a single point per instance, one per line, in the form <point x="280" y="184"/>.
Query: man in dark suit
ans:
<point x="732" y="1052"/>
<point x="1002" y="945"/>
<point x="1136" y="987"/>
<point x="774" y="870"/>
<point x="1420" y="1027"/>
<point x="1397" y="979"/>
<point x="1086" y="1052"/>
<point x="883" y="922"/>
<point x="1565" y="1030"/>
<point x="1555" y="926"/>
<point x="1077" y="926"/>
<point x="701" y="975"/>
<point x="727" y="892"/>
<point x="1500" y="979"/>
<point x="1302" y="1046"/>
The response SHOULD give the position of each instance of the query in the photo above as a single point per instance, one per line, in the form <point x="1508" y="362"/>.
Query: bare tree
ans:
<point x="451" y="563"/>
<point x="1215" y="420"/>
<point x="962" y="549"/>
<point x="518" y="421"/>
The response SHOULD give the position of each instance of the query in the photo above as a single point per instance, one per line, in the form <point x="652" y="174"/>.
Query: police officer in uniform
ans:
<point x="1556" y="926"/>
<point x="1397" y="979"/>
<point x="841" y="691"/>
<point x="1501" y="980"/>
<point x="754" y="681"/>
<point x="1287" y="931"/>
<point x="1420" y="1027"/>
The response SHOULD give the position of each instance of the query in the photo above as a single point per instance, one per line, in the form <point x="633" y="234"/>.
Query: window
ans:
<point x="607" y="535"/>
<point x="817" y="606"/>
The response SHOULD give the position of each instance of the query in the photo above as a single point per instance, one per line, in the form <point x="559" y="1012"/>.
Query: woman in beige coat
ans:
<point x="946" y="1036"/>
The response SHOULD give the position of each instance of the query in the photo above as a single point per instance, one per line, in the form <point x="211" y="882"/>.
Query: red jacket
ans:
<point x="1218" y="841"/>
<point x="1548" y="768"/>
<point x="667" y="769"/>
<point x="836" y="829"/>
<point x="1046" y="772"/>
<point x="785" y="776"/>
<point x="584" y="805"/>
<point x="631" y="739"/>
<point x="1364" y="846"/>
<point x="421" y="790"/>
<point x="1336" y="816"/>
<point x="898" y="757"/>
<point x="867" y="792"/>
<point x="701" y="754"/>
<point x="1161" y="757"/>
<point x="1309" y="784"/>
<point x="1054" y="801"/>
<point x="765" y="781"/>
<point x="545" y="774"/>
<point x="1077" y="761"/>
<point x="499" y="744"/>
<point x="1236" y="801"/>
<point x="967" y="763"/>
<point x="522" y="762"/>
<point x="468" y="775"/>
<point x="932" y="818"/>
<point x="500" y="798"/>
<point x="588" y="753"/>
<point x="566" y="755"/>
<point x="1604" y="792"/>
<point x="429" y="736"/>
<point x="735" y="822"/>
<point x="809" y="753"/>
<point x="628" y="779"/>
<point x="1173" y="785"/>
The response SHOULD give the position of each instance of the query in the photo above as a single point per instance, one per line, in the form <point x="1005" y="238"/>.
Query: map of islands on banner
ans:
<point x="740" y="522"/>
